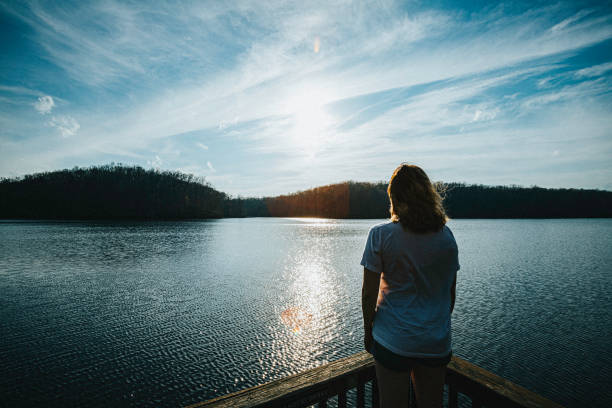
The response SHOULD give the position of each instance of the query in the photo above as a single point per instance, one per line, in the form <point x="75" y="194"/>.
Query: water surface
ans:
<point x="171" y="313"/>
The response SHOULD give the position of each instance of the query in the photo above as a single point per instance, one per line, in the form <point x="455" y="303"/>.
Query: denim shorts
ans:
<point x="396" y="362"/>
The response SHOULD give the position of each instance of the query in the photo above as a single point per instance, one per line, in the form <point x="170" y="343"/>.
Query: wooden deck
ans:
<point x="334" y="380"/>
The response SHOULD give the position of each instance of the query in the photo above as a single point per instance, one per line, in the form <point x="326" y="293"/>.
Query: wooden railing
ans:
<point x="354" y="377"/>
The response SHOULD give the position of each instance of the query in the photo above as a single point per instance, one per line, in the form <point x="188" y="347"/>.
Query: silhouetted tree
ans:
<point x="369" y="200"/>
<point x="478" y="201"/>
<point x="110" y="191"/>
<point x="117" y="191"/>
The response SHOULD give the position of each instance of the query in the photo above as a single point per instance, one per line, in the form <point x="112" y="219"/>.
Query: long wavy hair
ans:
<point x="415" y="201"/>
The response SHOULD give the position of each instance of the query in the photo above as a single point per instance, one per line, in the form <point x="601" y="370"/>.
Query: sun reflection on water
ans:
<point x="312" y="220"/>
<point x="308" y="320"/>
<point x="308" y="296"/>
<point x="296" y="318"/>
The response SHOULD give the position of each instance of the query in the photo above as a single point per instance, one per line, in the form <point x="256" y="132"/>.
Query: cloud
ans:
<point x="594" y="71"/>
<point x="224" y="124"/>
<point x="210" y="167"/>
<point x="18" y="90"/>
<point x="405" y="77"/>
<point x="573" y="91"/>
<point x="156" y="162"/>
<point x="67" y="125"/>
<point x="44" y="104"/>
<point x="482" y="115"/>
<point x="570" y="20"/>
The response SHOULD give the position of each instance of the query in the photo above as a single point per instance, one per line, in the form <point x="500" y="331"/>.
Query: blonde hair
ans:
<point x="415" y="201"/>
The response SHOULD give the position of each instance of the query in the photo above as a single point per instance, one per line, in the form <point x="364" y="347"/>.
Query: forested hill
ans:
<point x="369" y="200"/>
<point x="122" y="192"/>
<point x="109" y="192"/>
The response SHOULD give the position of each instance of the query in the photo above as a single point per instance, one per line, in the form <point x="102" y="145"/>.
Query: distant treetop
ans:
<point x="117" y="191"/>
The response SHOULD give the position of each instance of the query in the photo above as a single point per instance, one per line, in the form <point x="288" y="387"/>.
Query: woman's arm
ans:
<point x="369" y="296"/>
<point x="453" y="294"/>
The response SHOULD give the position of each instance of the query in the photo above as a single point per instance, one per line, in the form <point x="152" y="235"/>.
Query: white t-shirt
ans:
<point x="414" y="300"/>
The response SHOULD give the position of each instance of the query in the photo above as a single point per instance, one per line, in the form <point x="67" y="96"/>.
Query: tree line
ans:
<point x="369" y="200"/>
<point x="131" y="192"/>
<point x="109" y="192"/>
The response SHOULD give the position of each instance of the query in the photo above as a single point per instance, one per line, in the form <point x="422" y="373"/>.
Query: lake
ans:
<point x="172" y="313"/>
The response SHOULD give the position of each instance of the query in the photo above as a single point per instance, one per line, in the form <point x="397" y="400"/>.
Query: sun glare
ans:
<point x="310" y="120"/>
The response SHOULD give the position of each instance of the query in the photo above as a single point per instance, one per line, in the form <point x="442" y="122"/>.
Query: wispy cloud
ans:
<point x="297" y="88"/>
<point x="485" y="114"/>
<point x="570" y="20"/>
<point x="20" y="90"/>
<point x="67" y="125"/>
<point x="594" y="71"/>
<point x="44" y="104"/>
<point x="156" y="163"/>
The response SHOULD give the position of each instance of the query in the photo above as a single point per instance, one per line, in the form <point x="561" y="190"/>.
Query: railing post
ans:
<point x="412" y="398"/>
<point x="342" y="399"/>
<point x="375" y="401"/>
<point x="360" y="392"/>
<point x="452" y="396"/>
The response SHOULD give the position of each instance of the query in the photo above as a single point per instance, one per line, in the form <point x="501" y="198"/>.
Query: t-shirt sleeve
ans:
<point x="372" y="254"/>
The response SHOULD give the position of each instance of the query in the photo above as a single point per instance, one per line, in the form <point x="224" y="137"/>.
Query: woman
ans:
<point x="410" y="272"/>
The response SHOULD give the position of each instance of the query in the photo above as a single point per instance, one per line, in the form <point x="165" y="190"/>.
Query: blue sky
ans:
<point x="271" y="97"/>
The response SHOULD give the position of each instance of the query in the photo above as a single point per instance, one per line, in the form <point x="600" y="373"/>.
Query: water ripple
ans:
<point x="172" y="313"/>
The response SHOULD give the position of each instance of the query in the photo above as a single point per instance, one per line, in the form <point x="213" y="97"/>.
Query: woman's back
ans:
<point x="414" y="304"/>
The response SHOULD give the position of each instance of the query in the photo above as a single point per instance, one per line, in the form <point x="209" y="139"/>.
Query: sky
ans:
<point x="265" y="98"/>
